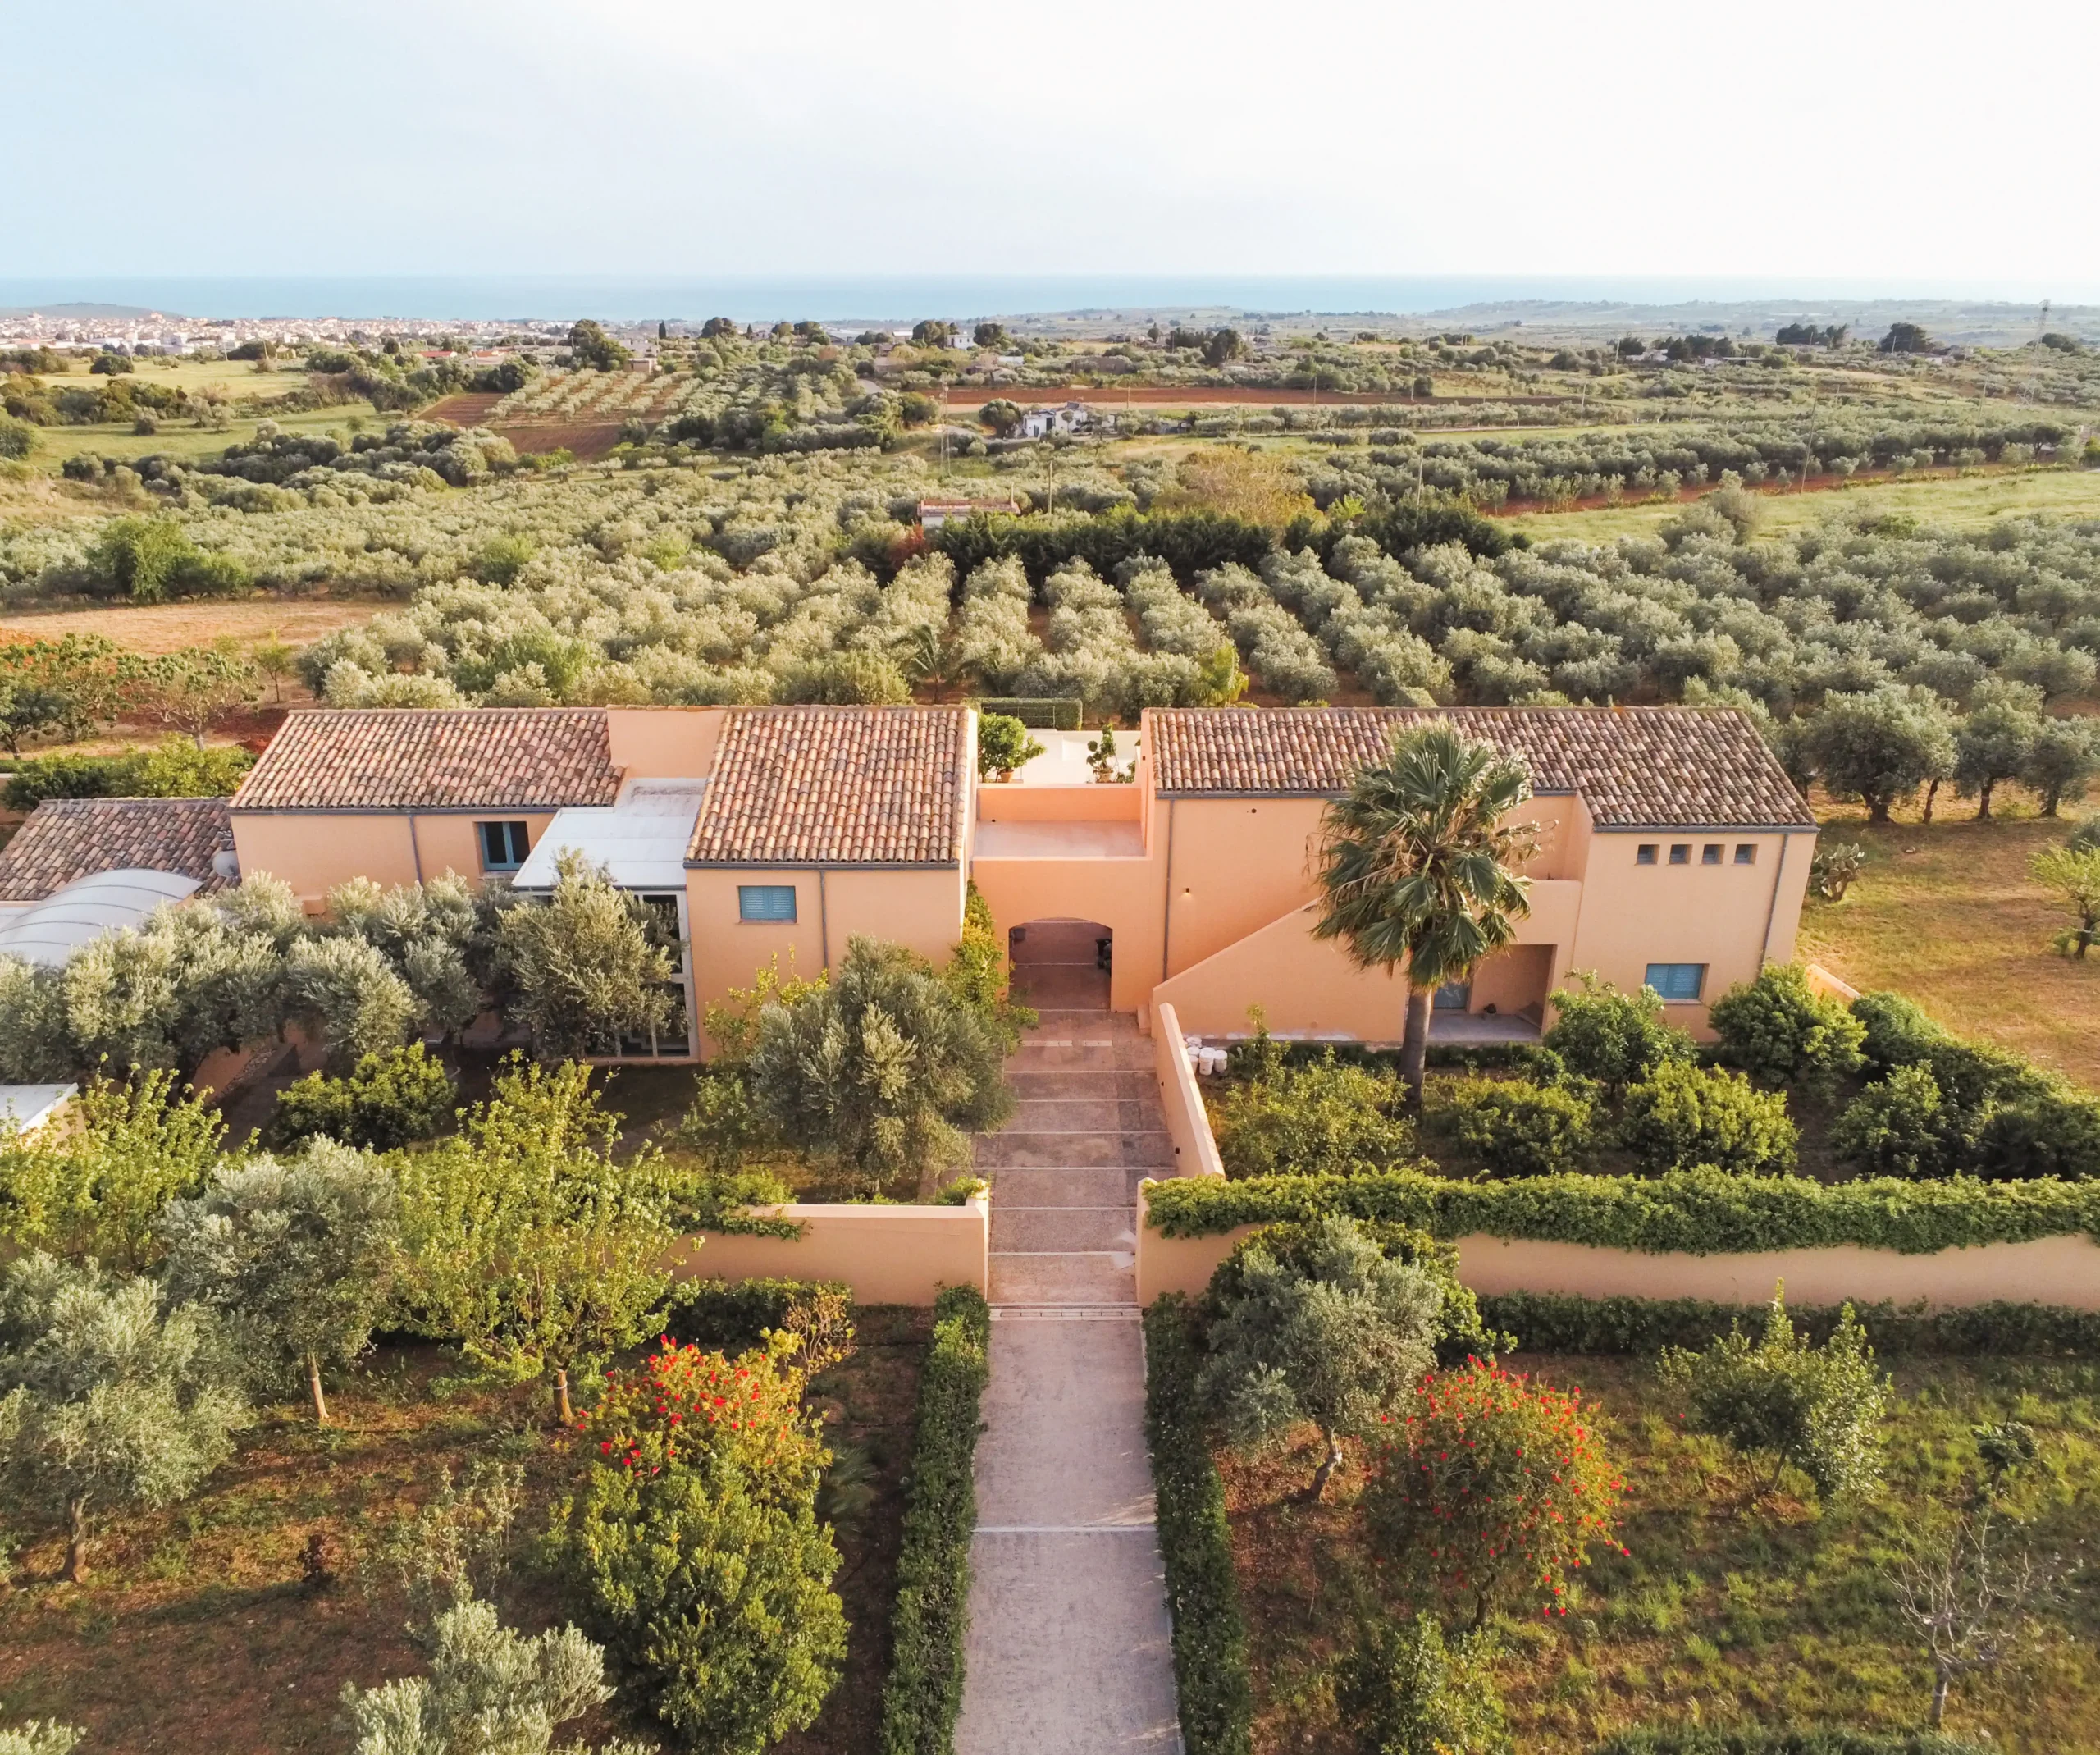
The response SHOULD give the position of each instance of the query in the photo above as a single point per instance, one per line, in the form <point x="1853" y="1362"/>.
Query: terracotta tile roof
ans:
<point x="1635" y="767"/>
<point x="860" y="786"/>
<point x="66" y="838"/>
<point x="435" y="759"/>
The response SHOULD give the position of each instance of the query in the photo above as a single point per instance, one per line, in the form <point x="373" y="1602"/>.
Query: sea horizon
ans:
<point x="889" y="299"/>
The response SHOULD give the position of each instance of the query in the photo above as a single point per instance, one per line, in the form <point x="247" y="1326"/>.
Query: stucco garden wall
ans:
<point x="888" y="1255"/>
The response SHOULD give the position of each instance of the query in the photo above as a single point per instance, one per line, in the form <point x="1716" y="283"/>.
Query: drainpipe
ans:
<point x="1167" y="924"/>
<point x="824" y="921"/>
<point x="415" y="848"/>
<point x="1772" y="908"/>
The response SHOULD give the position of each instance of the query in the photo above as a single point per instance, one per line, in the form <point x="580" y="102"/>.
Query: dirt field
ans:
<point x="587" y="439"/>
<point x="469" y="408"/>
<point x="165" y="627"/>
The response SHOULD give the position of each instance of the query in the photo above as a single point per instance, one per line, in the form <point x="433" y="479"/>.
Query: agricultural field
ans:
<point x="1944" y="501"/>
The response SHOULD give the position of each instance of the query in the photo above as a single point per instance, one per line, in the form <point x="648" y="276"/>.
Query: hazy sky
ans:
<point x="1912" y="142"/>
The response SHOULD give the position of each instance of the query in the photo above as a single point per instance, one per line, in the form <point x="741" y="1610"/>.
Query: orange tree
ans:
<point x="693" y="1534"/>
<point x="1488" y="1491"/>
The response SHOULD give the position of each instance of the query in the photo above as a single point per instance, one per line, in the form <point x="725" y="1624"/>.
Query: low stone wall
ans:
<point x="888" y="1255"/>
<point x="1188" y="1123"/>
<point x="2063" y="1271"/>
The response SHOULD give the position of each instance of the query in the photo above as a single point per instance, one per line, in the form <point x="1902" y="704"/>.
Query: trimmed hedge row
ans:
<point x="1210" y="1636"/>
<point x="1562" y="1323"/>
<point x="925" y="1689"/>
<point x="1700" y="1212"/>
<point x="1757" y="1739"/>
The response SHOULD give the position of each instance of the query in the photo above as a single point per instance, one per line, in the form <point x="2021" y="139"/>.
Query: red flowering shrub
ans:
<point x="692" y="1537"/>
<point x="685" y="1405"/>
<point x="1489" y="1490"/>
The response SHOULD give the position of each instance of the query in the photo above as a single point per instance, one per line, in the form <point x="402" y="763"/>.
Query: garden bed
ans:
<point x="1728" y="1610"/>
<point x="194" y="1631"/>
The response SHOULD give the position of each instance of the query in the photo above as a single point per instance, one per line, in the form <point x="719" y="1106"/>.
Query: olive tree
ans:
<point x="1995" y="742"/>
<point x="298" y="1258"/>
<point x="880" y="1069"/>
<point x="587" y="964"/>
<point x="490" y="1691"/>
<point x="1322" y="1326"/>
<point x="346" y="993"/>
<point x="108" y="1397"/>
<point x="1881" y="746"/>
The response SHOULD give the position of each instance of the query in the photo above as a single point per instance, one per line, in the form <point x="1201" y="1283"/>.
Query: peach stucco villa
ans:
<point x="1674" y="850"/>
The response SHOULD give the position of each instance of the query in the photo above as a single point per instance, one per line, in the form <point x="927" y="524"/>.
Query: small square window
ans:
<point x="504" y="846"/>
<point x="1746" y="852"/>
<point x="1681" y="983"/>
<point x="1644" y="854"/>
<point x="1680" y="852"/>
<point x="772" y="902"/>
<point x="1710" y="854"/>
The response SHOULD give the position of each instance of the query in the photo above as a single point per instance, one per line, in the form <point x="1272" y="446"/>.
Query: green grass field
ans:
<point x="184" y="438"/>
<point x="1732" y="1607"/>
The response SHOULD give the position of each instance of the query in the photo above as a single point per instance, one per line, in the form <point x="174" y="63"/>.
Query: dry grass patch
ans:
<point x="1947" y="915"/>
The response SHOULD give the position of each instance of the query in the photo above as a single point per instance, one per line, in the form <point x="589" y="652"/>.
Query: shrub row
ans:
<point x="1701" y="1212"/>
<point x="1562" y="1322"/>
<point x="924" y="1690"/>
<point x="733" y="1316"/>
<point x="1210" y="1634"/>
<point x="1761" y="1739"/>
<point x="1039" y="714"/>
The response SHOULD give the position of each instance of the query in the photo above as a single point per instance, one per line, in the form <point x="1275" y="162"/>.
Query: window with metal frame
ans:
<point x="504" y="845"/>
<point x="1645" y="853"/>
<point x="1746" y="852"/>
<point x="767" y="902"/>
<point x="1680" y="983"/>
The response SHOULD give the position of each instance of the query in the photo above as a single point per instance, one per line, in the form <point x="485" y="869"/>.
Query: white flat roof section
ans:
<point x="30" y="1106"/>
<point x="640" y="841"/>
<point x="48" y="934"/>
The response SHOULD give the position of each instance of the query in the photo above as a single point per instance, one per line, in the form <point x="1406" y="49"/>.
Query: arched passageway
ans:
<point x="1062" y="965"/>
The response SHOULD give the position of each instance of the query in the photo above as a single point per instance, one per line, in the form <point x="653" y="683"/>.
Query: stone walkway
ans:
<point x="1069" y="1650"/>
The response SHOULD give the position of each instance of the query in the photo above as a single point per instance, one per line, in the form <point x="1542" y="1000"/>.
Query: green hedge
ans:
<point x="924" y="1690"/>
<point x="1699" y="1212"/>
<point x="1562" y="1322"/>
<point x="1210" y="1636"/>
<point x="1756" y="1740"/>
<point x="1038" y="713"/>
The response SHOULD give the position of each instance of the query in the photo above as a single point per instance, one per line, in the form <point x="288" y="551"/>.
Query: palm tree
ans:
<point x="1415" y="862"/>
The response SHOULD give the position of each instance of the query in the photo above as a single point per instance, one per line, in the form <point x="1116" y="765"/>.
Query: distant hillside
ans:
<point x="111" y="313"/>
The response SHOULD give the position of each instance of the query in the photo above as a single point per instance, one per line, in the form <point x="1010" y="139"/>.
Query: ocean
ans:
<point x="888" y="300"/>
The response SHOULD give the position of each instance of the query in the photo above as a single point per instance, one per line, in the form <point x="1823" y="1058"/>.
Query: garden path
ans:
<point x="1069" y="1648"/>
